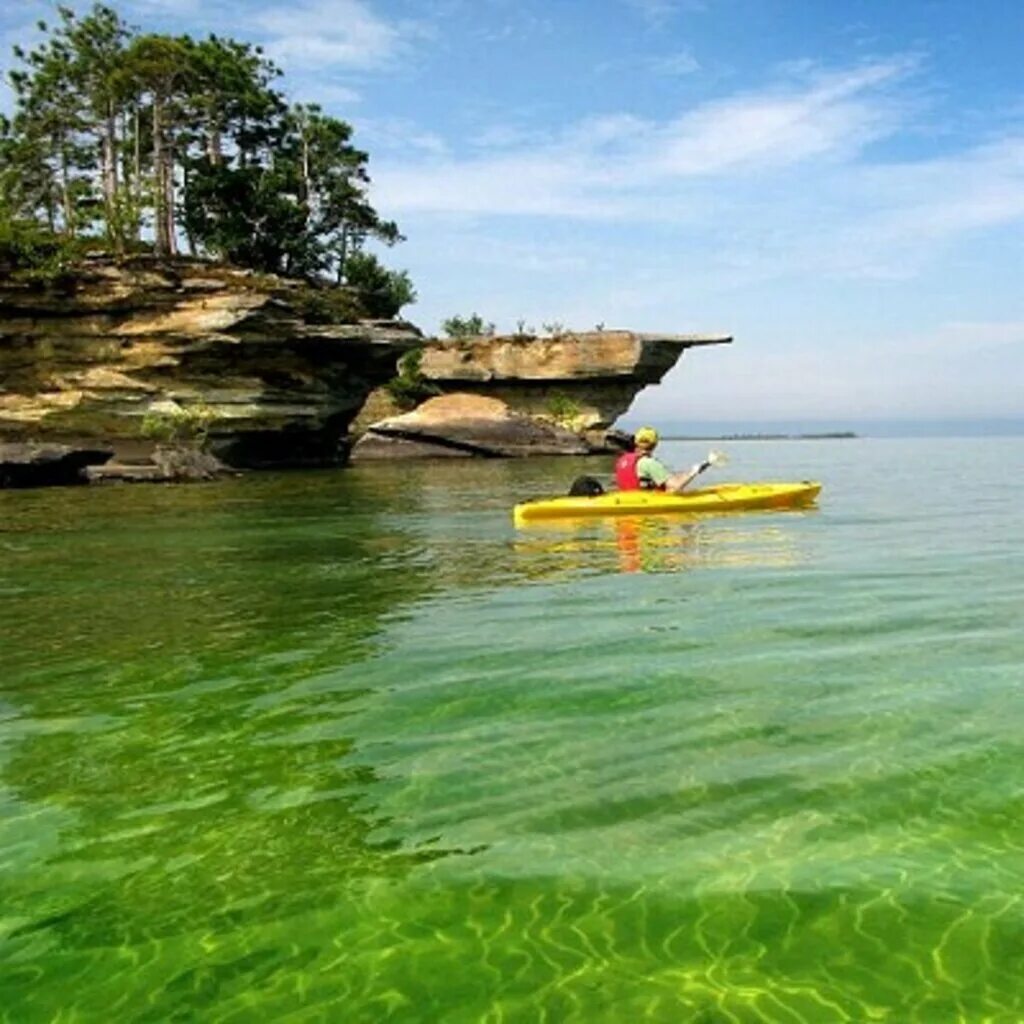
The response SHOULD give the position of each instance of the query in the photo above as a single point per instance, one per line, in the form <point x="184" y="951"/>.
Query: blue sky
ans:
<point x="838" y="184"/>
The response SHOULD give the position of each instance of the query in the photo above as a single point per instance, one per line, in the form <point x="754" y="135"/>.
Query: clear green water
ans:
<point x="346" y="747"/>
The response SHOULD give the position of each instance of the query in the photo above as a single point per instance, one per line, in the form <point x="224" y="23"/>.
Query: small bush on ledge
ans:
<point x="179" y="425"/>
<point x="335" y="305"/>
<point x="472" y="326"/>
<point x="563" y="409"/>
<point x="410" y="387"/>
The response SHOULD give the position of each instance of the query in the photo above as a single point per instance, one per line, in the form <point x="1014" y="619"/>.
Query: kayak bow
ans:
<point x="723" y="498"/>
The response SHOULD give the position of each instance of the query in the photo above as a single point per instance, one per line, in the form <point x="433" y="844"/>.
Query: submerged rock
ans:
<point x="464" y="425"/>
<point x="48" y="465"/>
<point x="166" y="464"/>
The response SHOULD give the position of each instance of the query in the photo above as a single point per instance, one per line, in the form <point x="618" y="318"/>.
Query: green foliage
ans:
<point x="246" y="216"/>
<point x="28" y="251"/>
<point x="183" y="425"/>
<point x="63" y="155"/>
<point x="382" y="292"/>
<point x="472" y="326"/>
<point x="555" y="329"/>
<point x="119" y="135"/>
<point x="563" y="409"/>
<point x="337" y="305"/>
<point x="410" y="387"/>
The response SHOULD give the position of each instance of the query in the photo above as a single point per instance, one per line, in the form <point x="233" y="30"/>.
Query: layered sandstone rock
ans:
<point x="578" y="382"/>
<point x="585" y="380"/>
<point x="464" y="425"/>
<point x="122" y="347"/>
<point x="258" y="368"/>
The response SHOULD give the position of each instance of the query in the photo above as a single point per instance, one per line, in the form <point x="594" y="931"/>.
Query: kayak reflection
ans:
<point x="635" y="544"/>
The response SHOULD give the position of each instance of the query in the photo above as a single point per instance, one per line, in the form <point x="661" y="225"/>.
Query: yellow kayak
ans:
<point x="723" y="498"/>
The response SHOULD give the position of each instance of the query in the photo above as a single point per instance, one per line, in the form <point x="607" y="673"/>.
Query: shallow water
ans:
<point x="346" y="746"/>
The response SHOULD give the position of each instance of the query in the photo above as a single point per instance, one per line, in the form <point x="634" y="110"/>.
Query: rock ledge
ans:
<point x="464" y="425"/>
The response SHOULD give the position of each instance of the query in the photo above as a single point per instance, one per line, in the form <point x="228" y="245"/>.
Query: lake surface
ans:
<point x="346" y="746"/>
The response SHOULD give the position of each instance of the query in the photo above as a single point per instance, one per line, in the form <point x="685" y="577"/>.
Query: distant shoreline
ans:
<point x="827" y="436"/>
<point x="873" y="429"/>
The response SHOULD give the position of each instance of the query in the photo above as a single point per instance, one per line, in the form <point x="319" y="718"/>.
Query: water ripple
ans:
<point x="349" y="747"/>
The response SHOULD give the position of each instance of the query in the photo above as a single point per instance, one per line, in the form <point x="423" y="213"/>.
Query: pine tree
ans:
<point x="96" y="45"/>
<point x="156" y="67"/>
<point x="113" y="130"/>
<point x="48" y="124"/>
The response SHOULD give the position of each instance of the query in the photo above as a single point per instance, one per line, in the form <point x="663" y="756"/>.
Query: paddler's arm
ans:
<point x="652" y="472"/>
<point x="679" y="481"/>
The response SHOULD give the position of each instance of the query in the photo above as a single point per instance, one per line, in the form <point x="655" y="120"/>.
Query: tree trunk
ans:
<point x="137" y="177"/>
<point x="304" y="180"/>
<point x="65" y="192"/>
<point x="342" y="253"/>
<point x="213" y="144"/>
<point x="161" y="240"/>
<point x="115" y="229"/>
<point x="172" y="236"/>
<point x="123" y="151"/>
<point x="190" y="238"/>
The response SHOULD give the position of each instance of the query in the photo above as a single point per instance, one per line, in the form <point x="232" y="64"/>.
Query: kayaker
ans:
<point x="640" y="470"/>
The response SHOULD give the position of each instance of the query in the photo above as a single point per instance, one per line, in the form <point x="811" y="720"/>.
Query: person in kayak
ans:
<point x="639" y="470"/>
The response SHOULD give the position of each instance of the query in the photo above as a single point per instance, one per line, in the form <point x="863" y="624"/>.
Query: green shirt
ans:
<point x="651" y="471"/>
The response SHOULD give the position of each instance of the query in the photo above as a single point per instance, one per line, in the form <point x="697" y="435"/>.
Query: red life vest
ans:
<point x="626" y="476"/>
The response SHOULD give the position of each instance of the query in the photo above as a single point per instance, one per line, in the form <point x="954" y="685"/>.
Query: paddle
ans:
<point x="680" y="480"/>
<point x="590" y="487"/>
<point x="714" y="459"/>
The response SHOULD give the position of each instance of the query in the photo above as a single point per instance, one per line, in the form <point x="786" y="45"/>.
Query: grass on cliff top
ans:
<point x="36" y="259"/>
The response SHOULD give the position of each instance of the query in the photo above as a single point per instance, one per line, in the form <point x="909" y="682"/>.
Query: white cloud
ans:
<point x="398" y="136"/>
<point x="683" y="62"/>
<point x="969" y="339"/>
<point x="836" y="113"/>
<point x="508" y="136"/>
<point x="521" y="25"/>
<point x="762" y="185"/>
<point x="519" y="184"/>
<point x="331" y="33"/>
<point x="605" y="167"/>
<point x="331" y="96"/>
<point x="144" y="7"/>
<point x="891" y="217"/>
<point x="658" y="13"/>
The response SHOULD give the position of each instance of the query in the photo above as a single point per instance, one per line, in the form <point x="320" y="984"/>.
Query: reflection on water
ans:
<point x="660" y="543"/>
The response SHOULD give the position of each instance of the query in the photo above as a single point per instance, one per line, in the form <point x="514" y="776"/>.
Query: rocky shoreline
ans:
<point x="154" y="370"/>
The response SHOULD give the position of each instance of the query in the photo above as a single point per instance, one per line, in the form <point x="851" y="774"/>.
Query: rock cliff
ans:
<point x="573" y="386"/>
<point x="272" y="372"/>
<point x="251" y="357"/>
<point x="589" y="377"/>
